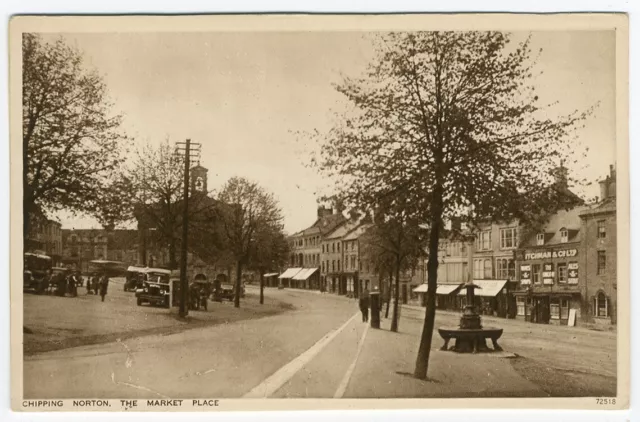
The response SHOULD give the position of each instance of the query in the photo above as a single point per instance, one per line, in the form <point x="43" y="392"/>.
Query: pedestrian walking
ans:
<point x="364" y="303"/>
<point x="89" y="279"/>
<point x="104" y="284"/>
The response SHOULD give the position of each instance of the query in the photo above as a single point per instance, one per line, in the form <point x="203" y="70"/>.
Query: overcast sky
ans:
<point x="243" y="95"/>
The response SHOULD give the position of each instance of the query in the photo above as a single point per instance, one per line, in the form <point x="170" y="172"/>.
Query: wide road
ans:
<point x="222" y="361"/>
<point x="307" y="353"/>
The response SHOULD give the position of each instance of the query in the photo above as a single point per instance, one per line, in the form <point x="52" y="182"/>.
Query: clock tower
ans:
<point x="198" y="180"/>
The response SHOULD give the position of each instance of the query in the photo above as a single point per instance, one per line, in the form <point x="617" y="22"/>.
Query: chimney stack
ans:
<point x="324" y="211"/>
<point x="560" y="176"/>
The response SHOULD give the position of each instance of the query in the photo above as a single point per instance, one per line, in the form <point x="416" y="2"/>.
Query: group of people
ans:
<point x="98" y="284"/>
<point x="66" y="283"/>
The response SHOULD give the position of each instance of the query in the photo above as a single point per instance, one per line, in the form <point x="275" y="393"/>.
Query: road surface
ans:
<point x="310" y="352"/>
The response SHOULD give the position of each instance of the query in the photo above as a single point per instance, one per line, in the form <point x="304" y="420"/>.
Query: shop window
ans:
<point x="602" y="262"/>
<point x="564" y="235"/>
<point x="554" y="309"/>
<point x="535" y="274"/>
<point x="602" y="229"/>
<point x="520" y="305"/>
<point x="601" y="306"/>
<point x="562" y="273"/>
<point x="564" y="308"/>
<point x="540" y="239"/>
<point x="508" y="238"/>
<point x="487" y="268"/>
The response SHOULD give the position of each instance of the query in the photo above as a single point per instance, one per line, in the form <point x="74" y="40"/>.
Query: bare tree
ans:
<point x="71" y="142"/>
<point x="450" y="123"/>
<point x="249" y="210"/>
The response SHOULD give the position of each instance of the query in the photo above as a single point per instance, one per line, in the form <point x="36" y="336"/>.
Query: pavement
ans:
<point x="322" y="349"/>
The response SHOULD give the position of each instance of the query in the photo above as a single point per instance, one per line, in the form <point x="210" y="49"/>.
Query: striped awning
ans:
<point x="305" y="273"/>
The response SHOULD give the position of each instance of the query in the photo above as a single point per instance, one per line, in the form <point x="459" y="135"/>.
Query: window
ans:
<point x="338" y="247"/>
<point x="562" y="273"/>
<point x="540" y="239"/>
<point x="478" y="268"/>
<point x="322" y="266"/>
<point x="487" y="268"/>
<point x="535" y="274"/>
<point x="508" y="238"/>
<point x="338" y="265"/>
<point x="602" y="229"/>
<point x="333" y="247"/>
<point x="601" y="305"/>
<point x="564" y="235"/>
<point x="520" y="305"/>
<point x="353" y="262"/>
<point x="322" y="248"/>
<point x="463" y="249"/>
<point x="554" y="308"/>
<point x="333" y="265"/>
<point x="564" y="308"/>
<point x="483" y="241"/>
<point x="602" y="262"/>
<point x="360" y="266"/>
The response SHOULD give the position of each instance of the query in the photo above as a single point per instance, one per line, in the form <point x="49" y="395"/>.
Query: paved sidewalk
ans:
<point x="385" y="369"/>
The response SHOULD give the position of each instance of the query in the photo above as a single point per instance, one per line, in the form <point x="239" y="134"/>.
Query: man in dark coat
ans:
<point x="104" y="284"/>
<point x="364" y="303"/>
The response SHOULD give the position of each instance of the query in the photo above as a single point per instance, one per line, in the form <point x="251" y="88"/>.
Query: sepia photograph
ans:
<point x="212" y="211"/>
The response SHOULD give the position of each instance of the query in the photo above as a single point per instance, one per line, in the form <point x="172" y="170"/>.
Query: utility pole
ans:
<point x="188" y="148"/>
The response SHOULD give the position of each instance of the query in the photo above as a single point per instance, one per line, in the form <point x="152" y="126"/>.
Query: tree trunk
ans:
<point x="386" y="314"/>
<point x="394" y="321"/>
<point x="422" y="362"/>
<point x="261" y="287"/>
<point x="173" y="263"/>
<point x="236" y="299"/>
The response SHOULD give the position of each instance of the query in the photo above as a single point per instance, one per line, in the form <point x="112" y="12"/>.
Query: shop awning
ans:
<point x="305" y="273"/>
<point x="488" y="288"/>
<point x="290" y="272"/>
<point x="442" y="289"/>
<point x="270" y="275"/>
<point x="447" y="289"/>
<point x="421" y="288"/>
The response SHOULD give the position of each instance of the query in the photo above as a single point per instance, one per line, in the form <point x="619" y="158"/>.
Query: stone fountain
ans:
<point x="470" y="336"/>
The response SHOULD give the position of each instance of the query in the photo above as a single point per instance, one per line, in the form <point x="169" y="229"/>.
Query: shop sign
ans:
<point x="562" y="253"/>
<point x="525" y="274"/>
<point x="548" y="274"/>
<point x="572" y="273"/>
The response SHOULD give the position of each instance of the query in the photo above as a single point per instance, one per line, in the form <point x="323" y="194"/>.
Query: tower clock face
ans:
<point x="199" y="184"/>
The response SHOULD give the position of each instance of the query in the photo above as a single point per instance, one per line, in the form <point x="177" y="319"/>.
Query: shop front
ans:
<point x="549" y="291"/>
<point x="492" y="298"/>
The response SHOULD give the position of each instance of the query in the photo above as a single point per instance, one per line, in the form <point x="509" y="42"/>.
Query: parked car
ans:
<point x="225" y="291"/>
<point x="155" y="289"/>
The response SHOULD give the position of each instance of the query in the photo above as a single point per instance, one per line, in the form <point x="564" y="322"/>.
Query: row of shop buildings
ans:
<point x="561" y="273"/>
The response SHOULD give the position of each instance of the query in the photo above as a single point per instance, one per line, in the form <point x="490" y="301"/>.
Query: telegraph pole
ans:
<point x="188" y="148"/>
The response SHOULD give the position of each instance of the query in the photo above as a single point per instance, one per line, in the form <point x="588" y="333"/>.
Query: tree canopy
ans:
<point x="450" y="124"/>
<point x="72" y="142"/>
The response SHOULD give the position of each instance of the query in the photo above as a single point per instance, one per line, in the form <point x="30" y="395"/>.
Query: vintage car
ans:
<point x="225" y="292"/>
<point x="37" y="272"/>
<point x="135" y="277"/>
<point x="156" y="288"/>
